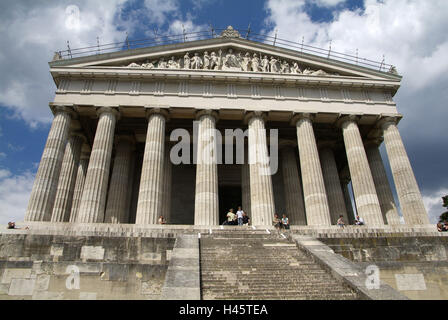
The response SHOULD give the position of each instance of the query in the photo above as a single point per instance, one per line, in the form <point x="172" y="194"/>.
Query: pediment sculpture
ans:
<point x="229" y="61"/>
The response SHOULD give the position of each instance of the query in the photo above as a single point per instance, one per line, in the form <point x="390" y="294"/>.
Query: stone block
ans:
<point x="4" y="288"/>
<point x="115" y="272"/>
<point x="57" y="250"/>
<point x="46" y="295"/>
<point x="42" y="282"/>
<point x="87" y="295"/>
<point x="92" y="253"/>
<point x="14" y="273"/>
<point x="410" y="282"/>
<point x="21" y="287"/>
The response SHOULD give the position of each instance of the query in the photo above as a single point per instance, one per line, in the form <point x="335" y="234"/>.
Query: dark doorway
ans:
<point x="229" y="197"/>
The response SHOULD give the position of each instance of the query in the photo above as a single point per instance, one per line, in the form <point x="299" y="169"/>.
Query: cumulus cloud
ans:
<point x="14" y="195"/>
<point x="412" y="36"/>
<point x="327" y="3"/>
<point x="31" y="31"/>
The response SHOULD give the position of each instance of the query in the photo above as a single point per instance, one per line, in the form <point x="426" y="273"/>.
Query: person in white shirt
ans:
<point x="239" y="215"/>
<point x="359" y="221"/>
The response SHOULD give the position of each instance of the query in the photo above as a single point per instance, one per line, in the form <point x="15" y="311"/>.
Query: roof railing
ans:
<point x="157" y="40"/>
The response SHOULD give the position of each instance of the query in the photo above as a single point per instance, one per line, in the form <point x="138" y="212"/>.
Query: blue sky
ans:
<point x="410" y="33"/>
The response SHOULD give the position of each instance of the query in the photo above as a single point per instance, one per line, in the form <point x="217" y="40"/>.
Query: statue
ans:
<point x="206" y="61"/>
<point x="187" y="61"/>
<point x="148" y="65"/>
<point x="255" y="63"/>
<point x="161" y="64"/>
<point x="231" y="60"/>
<point x="265" y="64"/>
<point x="295" y="68"/>
<point x="319" y="72"/>
<point x="214" y="62"/>
<point x="245" y="64"/>
<point x="196" y="62"/>
<point x="172" y="64"/>
<point x="307" y="71"/>
<point x="134" y="65"/>
<point x="273" y="65"/>
<point x="285" y="67"/>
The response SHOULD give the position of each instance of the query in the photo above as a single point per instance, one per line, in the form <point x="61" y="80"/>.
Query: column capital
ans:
<point x="207" y="112"/>
<point x="112" y="110"/>
<point x="302" y="116"/>
<point x="61" y="108"/>
<point x="374" y="142"/>
<point x="76" y="133"/>
<point x="162" y="111"/>
<point x="343" y="119"/>
<point x="255" y="114"/>
<point x="386" y="120"/>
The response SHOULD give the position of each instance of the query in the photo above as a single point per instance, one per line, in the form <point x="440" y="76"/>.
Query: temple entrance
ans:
<point x="229" y="197"/>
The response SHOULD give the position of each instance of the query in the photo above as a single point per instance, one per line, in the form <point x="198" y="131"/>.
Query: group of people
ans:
<point x="442" y="226"/>
<point x="239" y="218"/>
<point x="282" y="223"/>
<point x="358" y="221"/>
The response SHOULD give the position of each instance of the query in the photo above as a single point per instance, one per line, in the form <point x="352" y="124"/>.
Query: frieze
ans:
<point x="229" y="61"/>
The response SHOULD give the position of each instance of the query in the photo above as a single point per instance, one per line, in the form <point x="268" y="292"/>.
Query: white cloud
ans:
<point x="159" y="10"/>
<point x="15" y="191"/>
<point x="30" y="32"/>
<point x="433" y="203"/>
<point x="327" y="3"/>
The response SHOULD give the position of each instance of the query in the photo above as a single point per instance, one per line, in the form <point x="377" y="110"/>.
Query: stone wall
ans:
<point x="416" y="266"/>
<point x="35" y="266"/>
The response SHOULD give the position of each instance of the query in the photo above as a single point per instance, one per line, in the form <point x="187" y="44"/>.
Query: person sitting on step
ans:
<point x="285" y="222"/>
<point x="341" y="222"/>
<point x="246" y="219"/>
<point x="359" y="221"/>
<point x="277" y="222"/>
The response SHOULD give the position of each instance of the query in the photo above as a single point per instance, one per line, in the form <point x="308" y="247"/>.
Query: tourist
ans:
<point x="359" y="221"/>
<point x="240" y="214"/>
<point x="341" y="222"/>
<point x="285" y="222"/>
<point x="162" y="220"/>
<point x="441" y="227"/>
<point x="230" y="217"/>
<point x="246" y="219"/>
<point x="277" y="222"/>
<point x="11" y="225"/>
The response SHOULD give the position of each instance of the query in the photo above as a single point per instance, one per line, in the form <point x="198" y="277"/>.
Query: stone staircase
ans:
<point x="255" y="264"/>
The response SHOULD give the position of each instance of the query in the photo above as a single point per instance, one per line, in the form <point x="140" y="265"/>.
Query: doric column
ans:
<point x="245" y="183"/>
<point x="295" y="207"/>
<point x="382" y="186"/>
<point x="118" y="190"/>
<point x="206" y="206"/>
<point x="367" y="204"/>
<point x="261" y="192"/>
<point x="411" y="202"/>
<point x="332" y="183"/>
<point x="149" y="206"/>
<point x="67" y="179"/>
<point x="93" y="200"/>
<point x="40" y="205"/>
<point x="315" y="197"/>
<point x="348" y="200"/>
<point x="166" y="203"/>
<point x="81" y="173"/>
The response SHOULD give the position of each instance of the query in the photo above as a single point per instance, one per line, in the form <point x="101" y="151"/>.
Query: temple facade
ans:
<point x="144" y="133"/>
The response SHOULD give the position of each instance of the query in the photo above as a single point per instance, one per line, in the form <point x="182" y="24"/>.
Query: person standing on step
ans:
<point x="240" y="214"/>
<point x="230" y="218"/>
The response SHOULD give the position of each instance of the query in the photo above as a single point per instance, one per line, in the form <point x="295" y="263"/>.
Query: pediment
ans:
<point x="223" y="55"/>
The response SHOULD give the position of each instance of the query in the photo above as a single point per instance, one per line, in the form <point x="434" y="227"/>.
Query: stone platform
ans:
<point x="119" y="261"/>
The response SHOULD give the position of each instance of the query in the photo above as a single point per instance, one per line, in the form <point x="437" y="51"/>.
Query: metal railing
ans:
<point x="157" y="40"/>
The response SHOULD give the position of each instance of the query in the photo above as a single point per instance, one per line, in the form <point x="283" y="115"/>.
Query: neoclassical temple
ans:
<point x="108" y="154"/>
